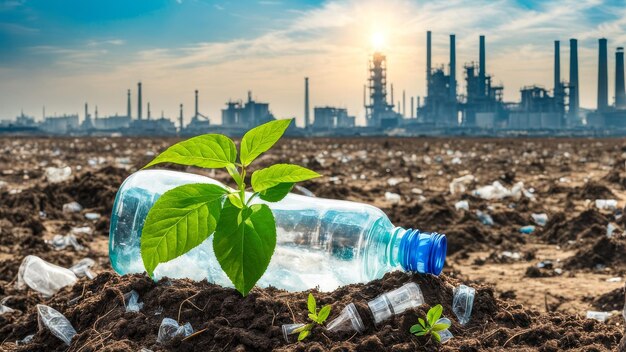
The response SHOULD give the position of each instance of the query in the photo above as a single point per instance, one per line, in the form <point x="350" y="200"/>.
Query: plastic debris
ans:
<point x="132" y="301"/>
<point x="395" y="302"/>
<point x="81" y="230"/>
<point x="289" y="329"/>
<point x="54" y="321"/>
<point x="348" y="320"/>
<point x="72" y="207"/>
<point x="485" y="218"/>
<point x="393" y="198"/>
<point x="56" y="175"/>
<point x="614" y="279"/>
<point x="81" y="268"/>
<point x="511" y="255"/>
<point x="463" y="302"/>
<point x="547" y="264"/>
<point x="610" y="229"/>
<point x="458" y="185"/>
<point x="445" y="335"/>
<point x="304" y="191"/>
<point x="170" y="329"/>
<point x="25" y="341"/>
<point x="599" y="316"/>
<point x="462" y="204"/>
<point x="92" y="216"/>
<point x="540" y="219"/>
<point x="497" y="191"/>
<point x="394" y="181"/>
<point x="43" y="277"/>
<point x="60" y="242"/>
<point x="527" y="229"/>
<point x="606" y="204"/>
<point x="4" y="309"/>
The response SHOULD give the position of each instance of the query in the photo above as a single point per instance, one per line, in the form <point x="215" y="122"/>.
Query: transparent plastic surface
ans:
<point x="169" y="329"/>
<point x="463" y="302"/>
<point x="288" y="329"/>
<point x="59" y="326"/>
<point x="397" y="301"/>
<point x="320" y="242"/>
<point x="348" y="320"/>
<point x="43" y="277"/>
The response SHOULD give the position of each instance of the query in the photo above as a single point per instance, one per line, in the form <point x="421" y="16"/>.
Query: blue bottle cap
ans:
<point x="422" y="252"/>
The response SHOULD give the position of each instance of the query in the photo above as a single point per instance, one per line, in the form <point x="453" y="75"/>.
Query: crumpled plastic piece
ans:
<point x="463" y="302"/>
<point x="72" y="207"/>
<point x="92" y="216"/>
<point x="606" y="204"/>
<point x="393" y="198"/>
<point x="132" y="301"/>
<point x="458" y="185"/>
<point x="462" y="204"/>
<point x="81" y="268"/>
<point x="497" y="191"/>
<point x="60" y="242"/>
<point x="445" y="335"/>
<point x="599" y="316"/>
<point x="43" y="277"/>
<point x="170" y="329"/>
<point x="528" y="229"/>
<point x="25" y="341"/>
<point x="54" y="321"/>
<point x="60" y="174"/>
<point x="540" y="219"/>
<point x="485" y="218"/>
<point x="4" y="309"/>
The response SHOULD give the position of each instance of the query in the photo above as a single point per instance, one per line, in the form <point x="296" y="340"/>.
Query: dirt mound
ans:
<point x="561" y="229"/>
<point x="613" y="300"/>
<point x="223" y="320"/>
<point x="591" y="190"/>
<point x="604" y="252"/>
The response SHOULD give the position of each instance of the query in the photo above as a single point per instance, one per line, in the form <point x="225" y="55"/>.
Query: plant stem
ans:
<point x="242" y="186"/>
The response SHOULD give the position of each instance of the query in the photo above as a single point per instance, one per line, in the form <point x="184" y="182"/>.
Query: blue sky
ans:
<point x="63" y="53"/>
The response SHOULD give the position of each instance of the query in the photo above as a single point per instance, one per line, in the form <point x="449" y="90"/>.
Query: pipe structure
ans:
<point x="603" y="75"/>
<point x="428" y="61"/>
<point x="620" y="92"/>
<point x="573" y="77"/>
<point x="128" y="112"/>
<point x="139" y="101"/>
<point x="307" y="121"/>
<point x="557" y="68"/>
<point x="452" y="66"/>
<point x="482" y="75"/>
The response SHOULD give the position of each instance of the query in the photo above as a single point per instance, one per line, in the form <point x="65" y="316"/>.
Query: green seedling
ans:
<point x="430" y="326"/>
<point x="317" y="317"/>
<point x="244" y="233"/>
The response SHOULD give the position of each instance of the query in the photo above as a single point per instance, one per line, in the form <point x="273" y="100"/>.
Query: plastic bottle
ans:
<point x="320" y="242"/>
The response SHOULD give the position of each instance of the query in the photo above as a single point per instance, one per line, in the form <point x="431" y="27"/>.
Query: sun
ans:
<point x="378" y="40"/>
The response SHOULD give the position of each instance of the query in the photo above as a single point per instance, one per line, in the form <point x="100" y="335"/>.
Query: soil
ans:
<point x="519" y="305"/>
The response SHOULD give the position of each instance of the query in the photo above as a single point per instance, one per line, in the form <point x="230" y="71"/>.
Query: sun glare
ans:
<point x="378" y="40"/>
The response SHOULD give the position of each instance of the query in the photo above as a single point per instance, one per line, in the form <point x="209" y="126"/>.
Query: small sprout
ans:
<point x="317" y="317"/>
<point x="430" y="326"/>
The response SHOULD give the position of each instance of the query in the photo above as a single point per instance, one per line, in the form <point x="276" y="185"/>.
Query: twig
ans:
<point x="516" y="335"/>
<point x="293" y="316"/>
<point x="195" y="334"/>
<point x="183" y="302"/>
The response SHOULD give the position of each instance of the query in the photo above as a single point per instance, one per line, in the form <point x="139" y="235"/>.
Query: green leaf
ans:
<point x="323" y="314"/>
<point x="179" y="220"/>
<point x="303" y="335"/>
<point x="422" y="322"/>
<point x="440" y="327"/>
<point x="434" y="314"/>
<point x="276" y="193"/>
<point x="280" y="173"/>
<point x="300" y="329"/>
<point x="416" y="328"/>
<point x="311" y="304"/>
<point x="421" y="333"/>
<point x="313" y="317"/>
<point x="436" y="336"/>
<point x="232" y="171"/>
<point x="244" y="242"/>
<point x="208" y="151"/>
<point x="235" y="200"/>
<point x="260" y="139"/>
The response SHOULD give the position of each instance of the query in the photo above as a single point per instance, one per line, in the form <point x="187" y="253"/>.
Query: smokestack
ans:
<point x="412" y="108"/>
<point x="364" y="94"/>
<point x="603" y="76"/>
<point x="392" y="96"/>
<point x="557" y="68"/>
<point x="452" y="66"/>
<point x="418" y="102"/>
<point x="96" y="113"/>
<point x="86" y="112"/>
<point x="481" y="68"/>
<point x="128" y="106"/>
<point x="573" y="77"/>
<point x="404" y="103"/>
<point x="180" y="117"/>
<point x="139" y="101"/>
<point x="307" y="117"/>
<point x="196" y="113"/>
<point x="148" y="111"/>
<point x="620" y="92"/>
<point x="428" y="62"/>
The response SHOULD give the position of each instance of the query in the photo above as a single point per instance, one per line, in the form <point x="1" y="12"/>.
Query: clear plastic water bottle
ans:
<point x="320" y="242"/>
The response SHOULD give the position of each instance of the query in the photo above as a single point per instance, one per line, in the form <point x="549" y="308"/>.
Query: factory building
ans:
<point x="379" y="113"/>
<point x="246" y="115"/>
<point x="613" y="117"/>
<point x="64" y="124"/>
<point x="199" y="124"/>
<point x="328" y="118"/>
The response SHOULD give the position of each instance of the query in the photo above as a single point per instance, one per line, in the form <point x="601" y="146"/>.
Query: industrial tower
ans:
<point x="379" y="113"/>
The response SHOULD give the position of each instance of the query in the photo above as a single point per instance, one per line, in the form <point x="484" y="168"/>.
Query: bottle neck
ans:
<point x="417" y="251"/>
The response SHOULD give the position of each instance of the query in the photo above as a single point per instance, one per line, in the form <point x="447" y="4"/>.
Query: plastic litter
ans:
<point x="289" y="329"/>
<point x="394" y="181"/>
<point x="25" y="341"/>
<point x="463" y="302"/>
<point x="395" y="302"/>
<point x="4" y="309"/>
<point x="445" y="335"/>
<point x="92" y="216"/>
<point x="81" y="268"/>
<point x="511" y="255"/>
<point x="393" y="198"/>
<point x="60" y="242"/>
<point x="484" y="218"/>
<point x="497" y="191"/>
<point x="81" y="230"/>
<point x="527" y="229"/>
<point x="170" y="329"/>
<point x="599" y="316"/>
<point x="43" y="277"/>
<point x="304" y="191"/>
<point x="540" y="219"/>
<point x="56" y="175"/>
<point x="614" y="279"/>
<point x="132" y="301"/>
<point x="54" y="321"/>
<point x="458" y="185"/>
<point x="462" y="204"/>
<point x="610" y="229"/>
<point x="547" y="264"/>
<point x="348" y="320"/>
<point x="72" y="207"/>
<point x="606" y="204"/>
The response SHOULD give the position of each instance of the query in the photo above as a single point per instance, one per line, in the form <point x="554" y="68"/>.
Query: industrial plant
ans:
<point x="468" y="105"/>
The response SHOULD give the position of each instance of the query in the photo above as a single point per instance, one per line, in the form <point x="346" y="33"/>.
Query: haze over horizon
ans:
<point x="62" y="54"/>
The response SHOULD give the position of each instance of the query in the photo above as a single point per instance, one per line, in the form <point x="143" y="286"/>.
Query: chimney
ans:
<point x="86" y="113"/>
<point x="603" y="76"/>
<point x="412" y="108"/>
<point x="481" y="68"/>
<point x="180" y="117"/>
<point x="139" y="101"/>
<point x="557" y="68"/>
<point x="128" y="105"/>
<point x="404" y="103"/>
<point x="392" y="97"/>
<point x="96" y="113"/>
<point x="148" y="111"/>
<point x="307" y="121"/>
<point x="452" y="67"/>
<point x="196" y="105"/>
<point x="620" y="93"/>
<point x="573" y="77"/>
<point x="428" y="62"/>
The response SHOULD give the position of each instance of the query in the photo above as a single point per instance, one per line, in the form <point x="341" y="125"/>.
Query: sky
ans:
<point x="63" y="53"/>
